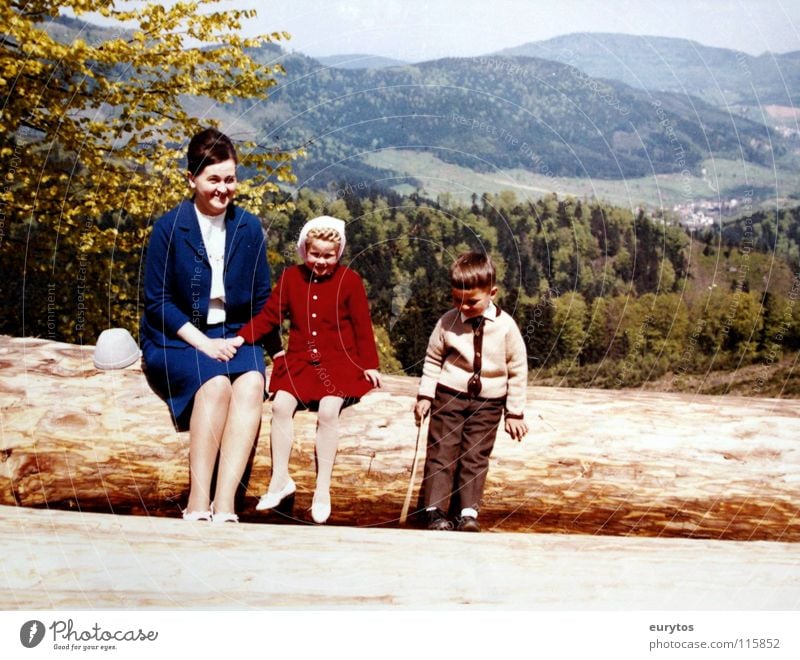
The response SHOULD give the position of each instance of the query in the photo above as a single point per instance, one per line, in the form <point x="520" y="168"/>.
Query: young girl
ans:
<point x="331" y="359"/>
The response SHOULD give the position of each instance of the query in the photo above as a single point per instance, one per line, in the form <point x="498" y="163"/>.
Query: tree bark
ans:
<point x="595" y="461"/>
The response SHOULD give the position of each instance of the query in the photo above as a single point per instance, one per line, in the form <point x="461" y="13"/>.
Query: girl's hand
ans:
<point x="373" y="376"/>
<point x="236" y="342"/>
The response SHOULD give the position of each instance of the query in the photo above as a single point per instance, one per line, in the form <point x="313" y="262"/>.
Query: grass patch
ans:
<point x="720" y="180"/>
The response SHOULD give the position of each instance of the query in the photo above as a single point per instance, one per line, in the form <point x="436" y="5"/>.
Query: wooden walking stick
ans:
<point x="414" y="464"/>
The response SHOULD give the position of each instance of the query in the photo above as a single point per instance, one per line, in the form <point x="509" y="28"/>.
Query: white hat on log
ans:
<point x="115" y="349"/>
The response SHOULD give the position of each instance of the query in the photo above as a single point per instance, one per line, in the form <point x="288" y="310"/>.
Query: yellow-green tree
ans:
<point x="92" y="135"/>
<point x="569" y="319"/>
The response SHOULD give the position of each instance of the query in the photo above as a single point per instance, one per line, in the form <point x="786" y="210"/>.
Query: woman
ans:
<point x="206" y="274"/>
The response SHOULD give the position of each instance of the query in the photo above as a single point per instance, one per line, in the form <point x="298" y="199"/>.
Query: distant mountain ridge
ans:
<point x="359" y="61"/>
<point x="718" y="75"/>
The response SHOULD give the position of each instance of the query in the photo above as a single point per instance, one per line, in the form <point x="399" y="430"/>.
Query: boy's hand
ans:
<point x="516" y="428"/>
<point x="421" y="410"/>
<point x="237" y="342"/>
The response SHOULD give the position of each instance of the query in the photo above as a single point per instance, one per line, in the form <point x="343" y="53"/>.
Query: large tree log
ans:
<point x="68" y="560"/>
<point x="596" y="461"/>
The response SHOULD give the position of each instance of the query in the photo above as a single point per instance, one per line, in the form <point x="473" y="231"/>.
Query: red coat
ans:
<point x="330" y="334"/>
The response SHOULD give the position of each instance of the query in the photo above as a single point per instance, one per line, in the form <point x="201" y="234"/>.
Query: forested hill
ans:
<point x="494" y="113"/>
<point x="604" y="297"/>
<point x="499" y="113"/>
<point x="771" y="232"/>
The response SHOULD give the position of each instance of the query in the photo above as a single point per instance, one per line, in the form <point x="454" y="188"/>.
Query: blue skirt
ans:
<point x="175" y="374"/>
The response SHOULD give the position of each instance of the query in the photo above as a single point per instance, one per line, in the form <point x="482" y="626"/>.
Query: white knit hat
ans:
<point x="322" y="222"/>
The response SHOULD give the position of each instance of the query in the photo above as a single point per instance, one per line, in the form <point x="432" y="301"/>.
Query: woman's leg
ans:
<point x="241" y="427"/>
<point x="281" y="436"/>
<point x="209" y="415"/>
<point x="327" y="444"/>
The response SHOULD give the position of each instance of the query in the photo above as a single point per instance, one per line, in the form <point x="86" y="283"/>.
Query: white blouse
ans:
<point x="213" y="230"/>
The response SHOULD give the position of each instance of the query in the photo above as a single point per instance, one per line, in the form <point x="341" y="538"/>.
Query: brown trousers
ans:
<point x="460" y="440"/>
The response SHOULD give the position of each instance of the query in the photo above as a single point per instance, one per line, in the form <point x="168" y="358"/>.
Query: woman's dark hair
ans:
<point x="209" y="147"/>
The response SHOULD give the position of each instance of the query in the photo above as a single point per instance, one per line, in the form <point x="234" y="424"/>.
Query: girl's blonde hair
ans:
<point x="323" y="234"/>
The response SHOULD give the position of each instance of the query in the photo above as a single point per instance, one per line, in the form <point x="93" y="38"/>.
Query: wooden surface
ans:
<point x="595" y="462"/>
<point x="71" y="560"/>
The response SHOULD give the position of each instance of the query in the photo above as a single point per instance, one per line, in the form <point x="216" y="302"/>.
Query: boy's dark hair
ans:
<point x="209" y="147"/>
<point x="472" y="270"/>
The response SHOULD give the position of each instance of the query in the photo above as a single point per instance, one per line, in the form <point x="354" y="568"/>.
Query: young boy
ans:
<point x="475" y="370"/>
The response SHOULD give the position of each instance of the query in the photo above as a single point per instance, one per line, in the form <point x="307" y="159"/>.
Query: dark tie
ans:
<point x="474" y="384"/>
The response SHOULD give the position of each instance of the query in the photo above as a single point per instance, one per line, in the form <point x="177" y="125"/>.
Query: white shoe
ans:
<point x="271" y="500"/>
<point x="320" y="511"/>
<point x="195" y="516"/>
<point x="217" y="517"/>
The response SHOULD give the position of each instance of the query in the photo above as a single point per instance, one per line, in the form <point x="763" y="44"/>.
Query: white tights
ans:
<point x="327" y="441"/>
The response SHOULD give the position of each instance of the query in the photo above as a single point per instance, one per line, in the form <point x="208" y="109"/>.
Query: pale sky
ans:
<point x="416" y="30"/>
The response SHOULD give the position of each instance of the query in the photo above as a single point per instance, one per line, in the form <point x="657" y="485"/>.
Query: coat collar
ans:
<point x="491" y="314"/>
<point x="187" y="222"/>
<point x="308" y="276"/>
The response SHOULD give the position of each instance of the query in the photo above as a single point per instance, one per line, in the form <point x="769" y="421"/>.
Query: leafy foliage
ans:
<point x="92" y="131"/>
<point x="772" y="232"/>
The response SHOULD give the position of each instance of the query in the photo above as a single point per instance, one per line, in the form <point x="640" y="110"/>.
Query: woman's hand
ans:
<point x="217" y="349"/>
<point x="220" y="349"/>
<point x="373" y="376"/>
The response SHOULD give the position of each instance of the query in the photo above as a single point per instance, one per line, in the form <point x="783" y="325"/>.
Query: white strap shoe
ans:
<point x="195" y="516"/>
<point x="217" y="517"/>
<point x="320" y="511"/>
<point x="271" y="500"/>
